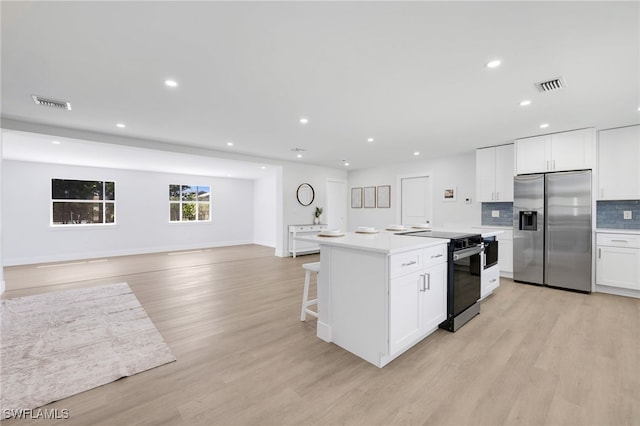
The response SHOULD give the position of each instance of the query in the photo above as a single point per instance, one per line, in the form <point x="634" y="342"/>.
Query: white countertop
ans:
<point x="382" y="242"/>
<point x="619" y="231"/>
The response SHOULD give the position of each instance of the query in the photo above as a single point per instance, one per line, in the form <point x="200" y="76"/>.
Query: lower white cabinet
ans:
<point x="418" y="299"/>
<point x="505" y="253"/>
<point x="490" y="280"/>
<point x="618" y="261"/>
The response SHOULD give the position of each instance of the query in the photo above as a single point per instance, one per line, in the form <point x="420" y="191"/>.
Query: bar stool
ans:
<point x="310" y="268"/>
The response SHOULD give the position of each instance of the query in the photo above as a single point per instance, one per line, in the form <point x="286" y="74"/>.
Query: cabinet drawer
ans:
<point x="404" y="263"/>
<point x="618" y="240"/>
<point x="435" y="255"/>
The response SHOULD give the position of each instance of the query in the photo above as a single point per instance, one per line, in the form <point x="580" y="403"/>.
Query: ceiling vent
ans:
<point x="298" y="149"/>
<point x="51" y="102"/>
<point x="551" y="85"/>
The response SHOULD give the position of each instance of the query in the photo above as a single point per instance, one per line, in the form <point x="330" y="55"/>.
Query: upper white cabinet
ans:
<point x="494" y="173"/>
<point x="618" y="160"/>
<point x="556" y="152"/>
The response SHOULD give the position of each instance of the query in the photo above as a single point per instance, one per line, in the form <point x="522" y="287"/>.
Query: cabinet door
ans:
<point x="404" y="310"/>
<point x="618" y="159"/>
<point x="504" y="173"/>
<point x="618" y="267"/>
<point x="505" y="255"/>
<point x="572" y="150"/>
<point x="433" y="297"/>
<point x="486" y="174"/>
<point x="533" y="154"/>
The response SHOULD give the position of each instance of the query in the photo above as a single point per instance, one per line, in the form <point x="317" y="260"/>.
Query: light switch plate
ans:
<point x="495" y="213"/>
<point x="628" y="214"/>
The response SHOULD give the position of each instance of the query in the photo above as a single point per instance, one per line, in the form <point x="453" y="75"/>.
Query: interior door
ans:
<point x="416" y="200"/>
<point x="336" y="212"/>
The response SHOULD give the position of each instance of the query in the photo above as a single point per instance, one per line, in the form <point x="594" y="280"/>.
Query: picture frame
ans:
<point x="450" y="193"/>
<point x="384" y="196"/>
<point x="356" y="198"/>
<point x="369" y="197"/>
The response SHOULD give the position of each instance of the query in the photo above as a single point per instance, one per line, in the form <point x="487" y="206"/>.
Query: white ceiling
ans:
<point x="409" y="74"/>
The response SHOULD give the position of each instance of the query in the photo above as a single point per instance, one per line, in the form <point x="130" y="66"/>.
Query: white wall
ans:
<point x="265" y="219"/>
<point x="458" y="171"/>
<point x="293" y="212"/>
<point x="141" y="214"/>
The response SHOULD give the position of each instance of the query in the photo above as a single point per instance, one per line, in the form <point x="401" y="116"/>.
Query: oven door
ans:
<point x="490" y="252"/>
<point x="467" y="265"/>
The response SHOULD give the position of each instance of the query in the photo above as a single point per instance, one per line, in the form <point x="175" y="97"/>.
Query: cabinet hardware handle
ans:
<point x="413" y="262"/>
<point x="493" y="196"/>
<point x="599" y="253"/>
<point x="493" y="280"/>
<point x="428" y="281"/>
<point x="422" y="279"/>
<point x="436" y="256"/>
<point x="497" y="196"/>
<point x="619" y="241"/>
<point x="547" y="165"/>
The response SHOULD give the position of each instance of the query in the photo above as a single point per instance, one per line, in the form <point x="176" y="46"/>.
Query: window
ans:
<point x="84" y="202"/>
<point x="189" y="203"/>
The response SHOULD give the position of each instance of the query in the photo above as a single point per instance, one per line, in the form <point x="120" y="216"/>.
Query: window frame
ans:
<point x="103" y="201"/>
<point x="181" y="201"/>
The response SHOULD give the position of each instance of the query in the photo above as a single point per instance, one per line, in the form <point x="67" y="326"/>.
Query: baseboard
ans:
<point x="113" y="253"/>
<point x="618" y="291"/>
<point x="323" y="331"/>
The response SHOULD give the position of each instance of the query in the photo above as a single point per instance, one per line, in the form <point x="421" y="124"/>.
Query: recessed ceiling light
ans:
<point x="346" y="163"/>
<point x="544" y="125"/>
<point x="263" y="167"/>
<point x="55" y="142"/>
<point x="299" y="155"/>
<point x="525" y="103"/>
<point x="370" y="140"/>
<point x="229" y="143"/>
<point x="638" y="108"/>
<point x="416" y="153"/>
<point x="493" y="64"/>
<point x="171" y="83"/>
<point x="304" y="120"/>
<point x="122" y="126"/>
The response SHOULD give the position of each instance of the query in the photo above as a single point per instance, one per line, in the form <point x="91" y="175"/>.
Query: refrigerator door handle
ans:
<point x="599" y="253"/>
<point x="547" y="169"/>
<point x="554" y="164"/>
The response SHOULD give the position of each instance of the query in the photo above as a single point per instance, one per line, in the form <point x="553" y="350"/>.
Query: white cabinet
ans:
<point x="494" y="173"/>
<point x="618" y="160"/>
<point x="417" y="298"/>
<point x="505" y="253"/>
<point x="490" y="280"/>
<point x="556" y="152"/>
<point x="618" y="261"/>
<point x="296" y="247"/>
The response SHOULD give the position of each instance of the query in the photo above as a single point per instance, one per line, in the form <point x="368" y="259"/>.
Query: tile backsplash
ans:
<point x="505" y="214"/>
<point x="610" y="214"/>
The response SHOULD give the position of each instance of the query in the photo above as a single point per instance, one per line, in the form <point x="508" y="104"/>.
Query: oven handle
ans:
<point x="461" y="254"/>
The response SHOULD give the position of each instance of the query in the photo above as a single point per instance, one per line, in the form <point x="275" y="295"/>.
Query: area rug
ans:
<point x="58" y="344"/>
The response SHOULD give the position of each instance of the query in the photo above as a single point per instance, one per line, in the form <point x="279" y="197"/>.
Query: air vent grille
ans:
<point x="53" y="103"/>
<point x="551" y="85"/>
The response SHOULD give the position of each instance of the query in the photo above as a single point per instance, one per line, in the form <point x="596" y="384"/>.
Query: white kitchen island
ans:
<point x="380" y="294"/>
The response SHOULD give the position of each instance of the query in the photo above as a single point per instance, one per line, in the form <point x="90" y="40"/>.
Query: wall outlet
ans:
<point x="628" y="214"/>
<point x="495" y="213"/>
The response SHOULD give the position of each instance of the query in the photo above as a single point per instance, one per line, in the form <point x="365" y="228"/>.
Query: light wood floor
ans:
<point x="534" y="356"/>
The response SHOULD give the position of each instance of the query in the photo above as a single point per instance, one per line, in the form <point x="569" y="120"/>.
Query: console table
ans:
<point x="299" y="247"/>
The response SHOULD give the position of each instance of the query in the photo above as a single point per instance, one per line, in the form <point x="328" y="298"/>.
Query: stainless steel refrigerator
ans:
<point x="552" y="230"/>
